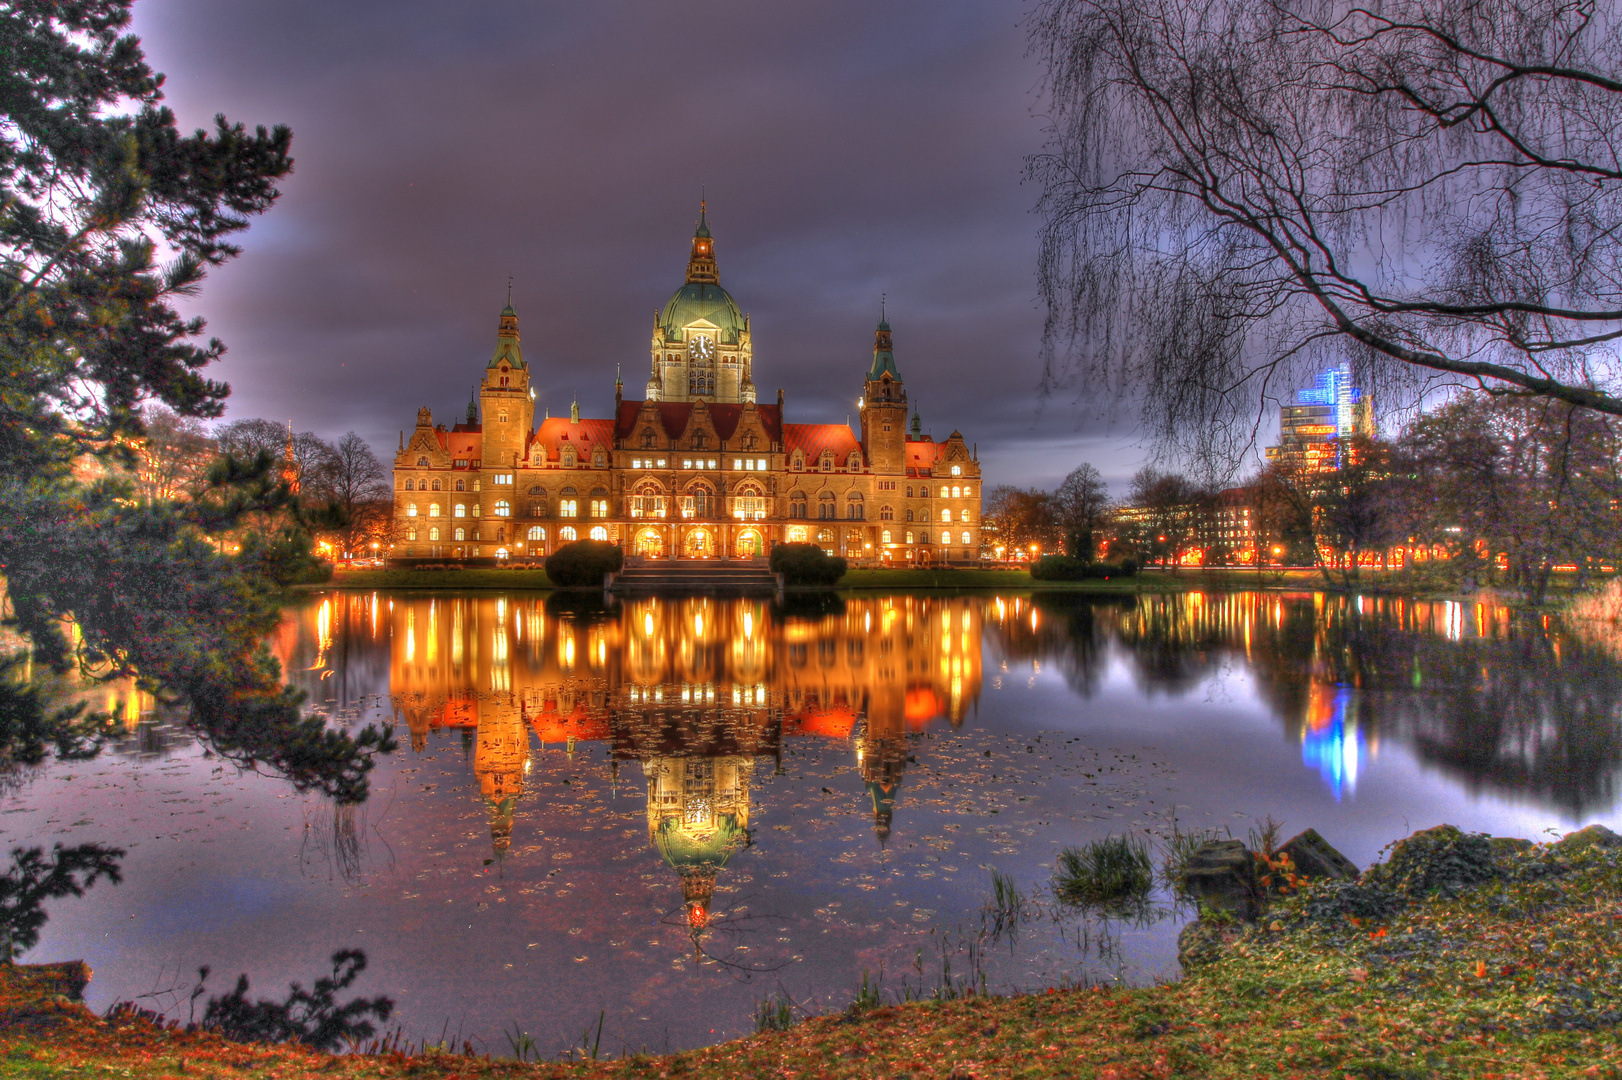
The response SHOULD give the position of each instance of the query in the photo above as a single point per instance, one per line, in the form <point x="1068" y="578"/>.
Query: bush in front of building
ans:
<point x="1064" y="568"/>
<point x="806" y="564"/>
<point x="584" y="563"/>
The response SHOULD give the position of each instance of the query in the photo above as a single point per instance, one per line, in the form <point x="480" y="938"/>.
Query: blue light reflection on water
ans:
<point x="1334" y="744"/>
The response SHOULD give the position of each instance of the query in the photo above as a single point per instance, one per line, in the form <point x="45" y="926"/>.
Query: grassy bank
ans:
<point x="1514" y="977"/>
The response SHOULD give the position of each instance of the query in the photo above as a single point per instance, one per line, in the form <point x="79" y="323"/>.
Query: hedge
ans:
<point x="806" y="564"/>
<point x="584" y="563"/>
<point x="1064" y="568"/>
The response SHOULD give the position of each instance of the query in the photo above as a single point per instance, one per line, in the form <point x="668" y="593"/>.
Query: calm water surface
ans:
<point x="661" y="812"/>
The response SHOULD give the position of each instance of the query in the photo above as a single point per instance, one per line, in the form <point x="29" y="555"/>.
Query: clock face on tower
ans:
<point x="703" y="347"/>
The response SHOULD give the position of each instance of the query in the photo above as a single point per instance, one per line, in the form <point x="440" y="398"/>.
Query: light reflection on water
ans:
<point x="669" y="809"/>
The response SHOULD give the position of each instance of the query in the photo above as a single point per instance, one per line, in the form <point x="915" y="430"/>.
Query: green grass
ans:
<point x="1107" y="873"/>
<point x="437" y="579"/>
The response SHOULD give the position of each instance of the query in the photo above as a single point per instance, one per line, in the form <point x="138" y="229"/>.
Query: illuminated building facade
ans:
<point x="695" y="691"/>
<point x="1313" y="430"/>
<point x="698" y="469"/>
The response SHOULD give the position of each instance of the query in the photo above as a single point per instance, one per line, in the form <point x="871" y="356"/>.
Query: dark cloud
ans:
<point x="848" y="149"/>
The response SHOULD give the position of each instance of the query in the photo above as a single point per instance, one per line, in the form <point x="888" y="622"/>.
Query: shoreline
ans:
<point x="1516" y="974"/>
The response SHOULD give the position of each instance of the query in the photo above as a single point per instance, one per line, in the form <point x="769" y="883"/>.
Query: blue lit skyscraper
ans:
<point x="1324" y="414"/>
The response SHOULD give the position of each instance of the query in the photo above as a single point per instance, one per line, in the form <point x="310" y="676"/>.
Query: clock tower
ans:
<point x="884" y="406"/>
<point x="701" y="346"/>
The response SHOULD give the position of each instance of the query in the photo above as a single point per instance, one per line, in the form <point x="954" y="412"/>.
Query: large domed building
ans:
<point x="697" y="469"/>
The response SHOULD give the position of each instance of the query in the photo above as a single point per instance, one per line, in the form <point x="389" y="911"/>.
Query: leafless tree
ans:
<point x="174" y="456"/>
<point x="247" y="438"/>
<point x="1237" y="190"/>
<point x="1082" y="505"/>
<point x="353" y="481"/>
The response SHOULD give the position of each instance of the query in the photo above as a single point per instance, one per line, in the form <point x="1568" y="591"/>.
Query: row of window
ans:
<point x="536" y="533"/>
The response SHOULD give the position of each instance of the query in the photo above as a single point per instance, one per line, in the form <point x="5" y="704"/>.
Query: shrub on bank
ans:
<point x="584" y="563"/>
<point x="806" y="564"/>
<point x="1064" y="568"/>
<point x="1110" y="873"/>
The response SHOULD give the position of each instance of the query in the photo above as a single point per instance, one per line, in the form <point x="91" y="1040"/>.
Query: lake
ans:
<point x="654" y="815"/>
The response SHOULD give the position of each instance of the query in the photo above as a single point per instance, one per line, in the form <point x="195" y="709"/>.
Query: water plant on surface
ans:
<point x="1108" y="873"/>
<point x="867" y="996"/>
<point x="1004" y="911"/>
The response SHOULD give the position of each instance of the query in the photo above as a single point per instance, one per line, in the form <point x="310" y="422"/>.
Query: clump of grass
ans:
<point x="1109" y="873"/>
<point x="775" y="1013"/>
<point x="867" y="997"/>
<point x="1177" y="849"/>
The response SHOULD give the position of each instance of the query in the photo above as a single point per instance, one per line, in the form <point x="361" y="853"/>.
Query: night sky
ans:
<point x="847" y="150"/>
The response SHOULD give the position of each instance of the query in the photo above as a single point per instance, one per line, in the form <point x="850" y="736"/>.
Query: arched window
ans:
<point x="536" y="533"/>
<point x="538" y="490"/>
<point x="909" y="515"/>
<point x="884" y="537"/>
<point x="909" y="491"/>
<point x="798" y="464"/>
<point x="886" y="513"/>
<point x="749" y="504"/>
<point x="433" y="534"/>
<point x="568" y="505"/>
<point x="504" y="508"/>
<point x="827" y="463"/>
<point x="433" y="509"/>
<point x="965" y="538"/>
<point x="825" y="506"/>
<point x="647" y="438"/>
<point x="957" y="470"/>
<point x="946" y="515"/>
<point x="599" y="533"/>
<point x="909" y="536"/>
<point x="853" y="463"/>
<point x="567" y="534"/>
<point x="855" y="507"/>
<point x="648" y="500"/>
<point x="410" y="486"/>
<point x="411" y="510"/>
<point x="963" y="515"/>
<point x="460" y="510"/>
<point x="501" y="535"/>
<point x="502" y="415"/>
<point x="568" y="457"/>
<point x="946" y="538"/>
<point x="599" y="502"/>
<point x="461" y="534"/>
<point x="796" y="505"/>
<point x="411" y="533"/>
<point x="436" y="485"/>
<point x="422" y="462"/>
<point x="956" y="491"/>
<point x="461" y="485"/>
<point x="944" y="490"/>
<point x="598" y="459"/>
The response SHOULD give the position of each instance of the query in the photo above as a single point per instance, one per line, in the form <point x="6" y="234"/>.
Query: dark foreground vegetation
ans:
<point x="1455" y="957"/>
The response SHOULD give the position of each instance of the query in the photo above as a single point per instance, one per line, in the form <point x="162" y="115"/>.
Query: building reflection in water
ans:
<point x="698" y="692"/>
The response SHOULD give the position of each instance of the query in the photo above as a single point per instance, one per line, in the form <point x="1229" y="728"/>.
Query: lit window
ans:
<point x="661" y="463"/>
<point x="411" y="510"/>
<point x="687" y="463"/>
<point x="963" y="515"/>
<point x="957" y="470"/>
<point x="636" y="463"/>
<point x="504" y="508"/>
<point x="411" y="533"/>
<point x="536" y="533"/>
<point x="944" y="490"/>
<point x="567" y="533"/>
<point x="599" y="509"/>
<point x="884" y="537"/>
<point x="760" y="463"/>
<point x="965" y="538"/>
<point x="569" y="508"/>
<point x="957" y="492"/>
<point x="946" y="538"/>
<point x="433" y="534"/>
<point x="946" y="515"/>
<point x="909" y="536"/>
<point x="461" y="534"/>
<point x="796" y="534"/>
<point x="433" y="509"/>
<point x="600" y="533"/>
<point x="460" y="511"/>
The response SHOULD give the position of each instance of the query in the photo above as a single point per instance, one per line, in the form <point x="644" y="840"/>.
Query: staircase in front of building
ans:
<point x="695" y="576"/>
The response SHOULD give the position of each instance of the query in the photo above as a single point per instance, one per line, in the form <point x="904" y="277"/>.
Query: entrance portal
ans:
<point x="699" y="545"/>
<point x="749" y="544"/>
<point x="650" y="544"/>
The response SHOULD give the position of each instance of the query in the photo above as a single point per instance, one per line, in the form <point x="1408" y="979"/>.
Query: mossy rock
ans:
<point x="1595" y="835"/>
<point x="1441" y="860"/>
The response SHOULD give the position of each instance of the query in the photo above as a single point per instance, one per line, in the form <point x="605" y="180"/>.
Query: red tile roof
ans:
<point x="584" y="435"/>
<point x="674" y="415"/>
<point x="813" y="439"/>
<point x="463" y="443"/>
<point x="921" y="455"/>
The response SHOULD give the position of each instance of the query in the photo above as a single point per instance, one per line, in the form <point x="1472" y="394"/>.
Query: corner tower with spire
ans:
<point x="505" y="398"/>
<point x="884" y="404"/>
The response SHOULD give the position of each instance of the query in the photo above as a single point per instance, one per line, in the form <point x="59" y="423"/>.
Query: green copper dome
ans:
<point x="699" y="300"/>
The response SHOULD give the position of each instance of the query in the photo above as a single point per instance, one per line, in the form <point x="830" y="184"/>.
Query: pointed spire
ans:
<point x="883" y="354"/>
<point x="701" y="268"/>
<point x="507" y="348"/>
<point x="473" y="406"/>
<point x="917" y="425"/>
<point x="574" y="411"/>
